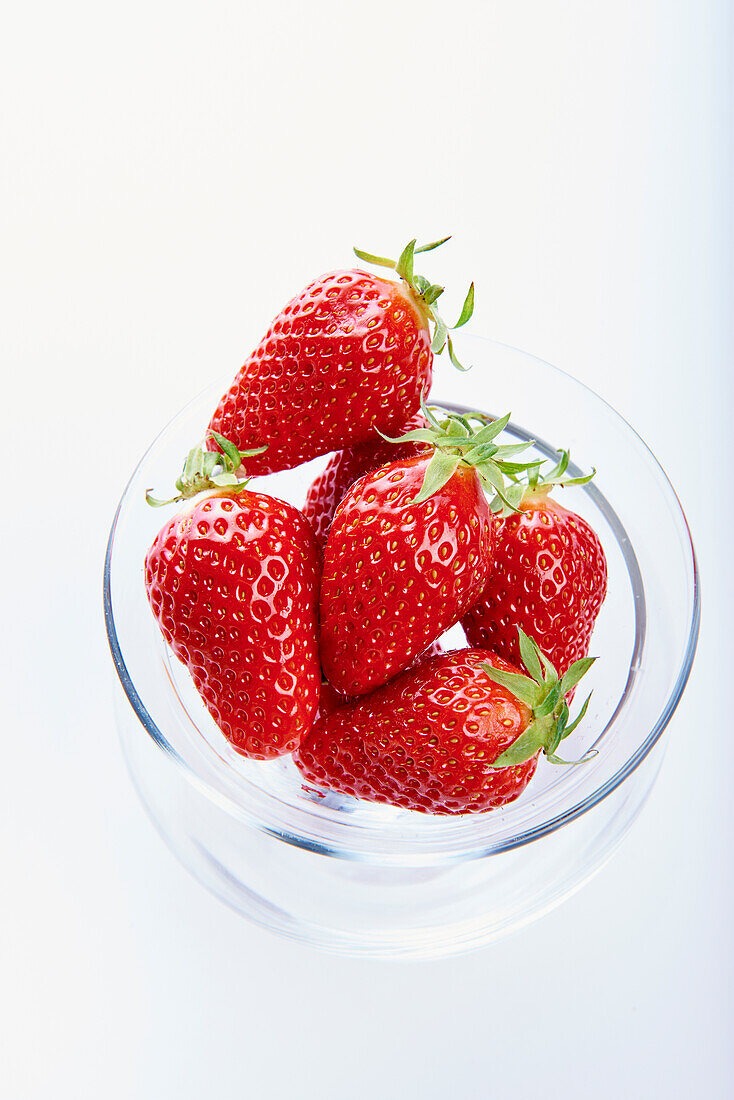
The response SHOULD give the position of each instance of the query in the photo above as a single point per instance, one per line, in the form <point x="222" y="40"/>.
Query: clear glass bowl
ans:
<point x="368" y="879"/>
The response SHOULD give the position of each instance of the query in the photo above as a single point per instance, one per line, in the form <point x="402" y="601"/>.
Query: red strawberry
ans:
<point x="233" y="582"/>
<point x="331" y="699"/>
<point x="550" y="577"/>
<point x="346" y="467"/>
<point x="408" y="553"/>
<point x="349" y="355"/>
<point x="460" y="733"/>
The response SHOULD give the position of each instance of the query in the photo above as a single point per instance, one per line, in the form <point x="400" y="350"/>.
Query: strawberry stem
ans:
<point x="541" y="484"/>
<point x="468" y="439"/>
<point x="204" y="470"/>
<point x="545" y="693"/>
<point x="426" y="294"/>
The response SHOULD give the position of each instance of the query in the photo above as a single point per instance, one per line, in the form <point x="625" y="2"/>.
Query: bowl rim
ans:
<point x="524" y="837"/>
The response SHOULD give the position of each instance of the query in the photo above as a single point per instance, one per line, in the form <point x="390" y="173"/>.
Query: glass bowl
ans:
<point x="368" y="879"/>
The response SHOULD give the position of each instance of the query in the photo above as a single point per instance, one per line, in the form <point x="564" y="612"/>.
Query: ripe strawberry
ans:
<point x="347" y="466"/>
<point x="460" y="733"/>
<point x="550" y="577"/>
<point x="409" y="551"/>
<point x="233" y="582"/>
<point x="330" y="699"/>
<point x="350" y="355"/>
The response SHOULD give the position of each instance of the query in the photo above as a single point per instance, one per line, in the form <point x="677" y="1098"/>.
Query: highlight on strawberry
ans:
<point x="459" y="733"/>
<point x="233" y="582"/>
<point x="349" y="356"/>
<point x="411" y="547"/>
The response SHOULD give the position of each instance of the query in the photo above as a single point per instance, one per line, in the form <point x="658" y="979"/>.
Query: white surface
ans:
<point x="171" y="175"/>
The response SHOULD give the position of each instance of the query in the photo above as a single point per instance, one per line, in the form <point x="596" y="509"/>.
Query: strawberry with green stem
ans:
<point x="410" y="549"/>
<point x="348" y="357"/>
<point x="458" y="733"/>
<point x="550" y="574"/>
<point x="427" y="292"/>
<point x="545" y="693"/>
<point x="233" y="582"/>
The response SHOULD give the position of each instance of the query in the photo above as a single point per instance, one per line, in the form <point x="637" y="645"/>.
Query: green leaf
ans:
<point x="467" y="309"/>
<point x="154" y="502"/>
<point x="513" y="467"/>
<point x="508" y="449"/>
<point x="483" y="453"/>
<point x="430" y="411"/>
<point x="579" y="716"/>
<point x="492" y="430"/>
<point x="556" y="475"/>
<point x="439" y="337"/>
<point x="417" y="435"/>
<point x="491" y="472"/>
<point x="491" y="478"/>
<point x="432" y="245"/>
<point x="439" y="471"/>
<point x="404" y="266"/>
<point x="192" y="464"/>
<point x="210" y="461"/>
<point x="230" y="481"/>
<point x="561" y="466"/>
<point x="589" y="755"/>
<point x="228" y="448"/>
<point x="550" y="702"/>
<point x="529" y="652"/>
<point x="199" y="474"/>
<point x="522" y="687"/>
<point x="452" y="355"/>
<point x="226" y="479"/>
<point x="479" y="417"/>
<point x="488" y="472"/>
<point x="455" y="430"/>
<point x="513" y="495"/>
<point x="431" y="293"/>
<point x="550" y="668"/>
<point x="526" y="746"/>
<point x="575" y="672"/>
<point x="381" y="261"/>
<point x="556" y="734"/>
<point x="584" y="480"/>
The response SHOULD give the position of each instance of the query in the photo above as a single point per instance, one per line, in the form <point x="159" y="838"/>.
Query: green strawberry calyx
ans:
<point x="533" y="486"/>
<point x="545" y="693"/>
<point x="540" y="484"/>
<point x="426" y="294"/>
<point x="469" y="439"/>
<point x="204" y="470"/>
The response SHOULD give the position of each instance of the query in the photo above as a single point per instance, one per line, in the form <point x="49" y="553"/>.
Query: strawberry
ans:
<point x="409" y="551"/>
<point x="330" y="699"/>
<point x="459" y="733"/>
<point x="233" y="582"/>
<point x="550" y="577"/>
<point x="347" y="466"/>
<point x="350" y="355"/>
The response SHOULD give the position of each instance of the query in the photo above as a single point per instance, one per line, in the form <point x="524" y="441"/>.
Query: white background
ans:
<point x="170" y="176"/>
